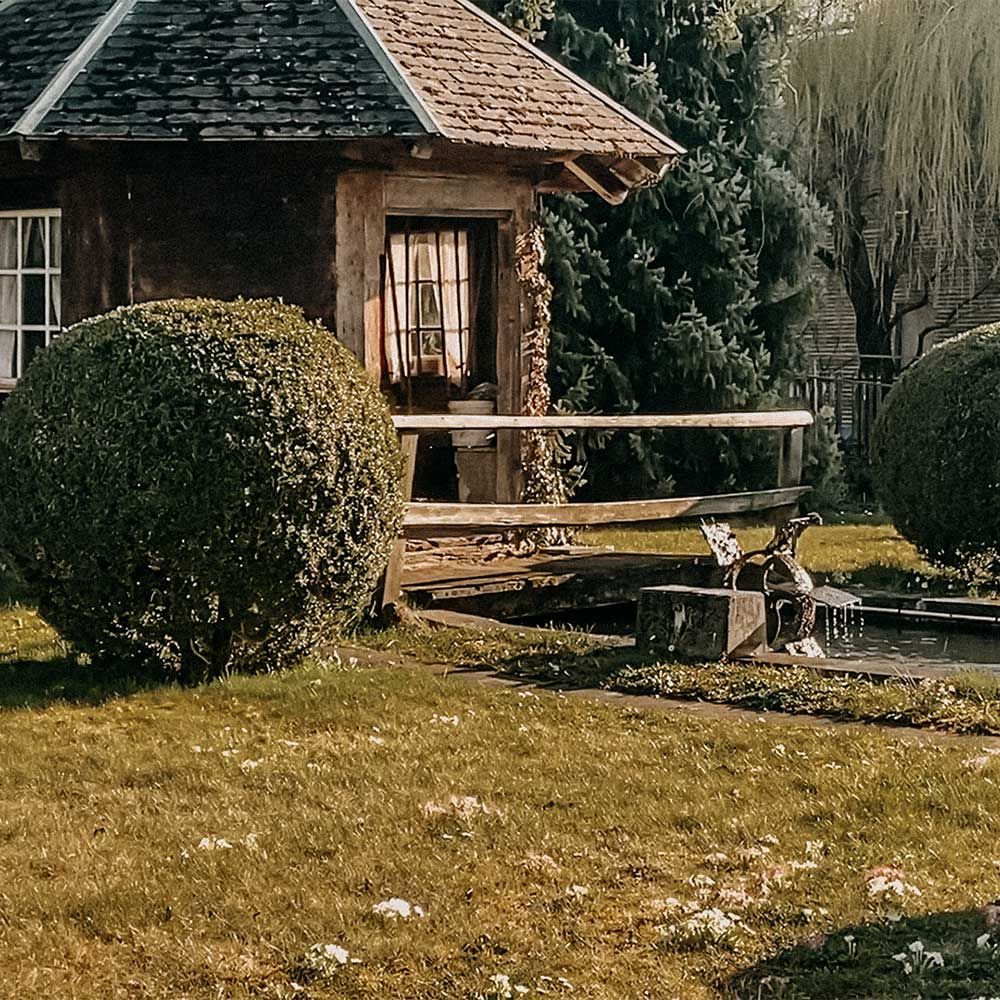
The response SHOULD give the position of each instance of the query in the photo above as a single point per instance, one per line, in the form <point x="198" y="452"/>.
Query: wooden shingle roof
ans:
<point x="300" y="69"/>
<point x="483" y="84"/>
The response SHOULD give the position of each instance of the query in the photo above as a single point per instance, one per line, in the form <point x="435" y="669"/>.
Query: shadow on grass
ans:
<point x="64" y="680"/>
<point x="857" y="963"/>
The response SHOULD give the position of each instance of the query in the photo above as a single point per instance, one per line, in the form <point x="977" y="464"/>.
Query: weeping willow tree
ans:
<point x="900" y="104"/>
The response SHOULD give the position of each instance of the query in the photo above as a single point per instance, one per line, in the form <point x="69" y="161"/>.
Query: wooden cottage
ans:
<point x="370" y="160"/>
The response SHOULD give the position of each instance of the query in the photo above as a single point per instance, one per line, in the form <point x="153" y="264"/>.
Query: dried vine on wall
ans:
<point x="544" y="479"/>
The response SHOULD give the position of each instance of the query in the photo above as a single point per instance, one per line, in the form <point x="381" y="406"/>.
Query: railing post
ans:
<point x="790" y="457"/>
<point x="392" y="582"/>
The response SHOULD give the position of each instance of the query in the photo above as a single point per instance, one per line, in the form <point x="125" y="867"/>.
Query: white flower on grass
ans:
<point x="542" y="864"/>
<point x="577" y="891"/>
<point x="326" y="959"/>
<point x="709" y="926"/>
<point x="250" y="765"/>
<point x="445" y="720"/>
<point x="397" y="909"/>
<point x="983" y="942"/>
<point x="852" y="945"/>
<point x="917" y="959"/>
<point x="718" y="858"/>
<point x="463" y="807"/>
<point x="501" y="988"/>
<point x="887" y="882"/>
<point x="376" y="741"/>
<point x="736" y="897"/>
<point x="701" y="881"/>
<point x="214" y="844"/>
<point x="662" y="907"/>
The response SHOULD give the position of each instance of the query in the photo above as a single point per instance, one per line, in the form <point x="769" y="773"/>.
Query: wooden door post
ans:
<point x="790" y="457"/>
<point x="392" y="584"/>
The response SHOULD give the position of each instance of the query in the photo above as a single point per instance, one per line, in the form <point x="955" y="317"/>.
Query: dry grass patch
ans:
<point x="199" y="843"/>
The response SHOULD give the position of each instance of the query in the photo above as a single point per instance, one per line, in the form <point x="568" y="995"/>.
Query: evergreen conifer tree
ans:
<point x="691" y="295"/>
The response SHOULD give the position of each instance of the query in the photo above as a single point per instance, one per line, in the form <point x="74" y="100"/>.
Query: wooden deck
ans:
<point x="481" y="581"/>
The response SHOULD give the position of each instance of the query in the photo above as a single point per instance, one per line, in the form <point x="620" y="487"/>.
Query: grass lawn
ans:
<point x="197" y="843"/>
<point x="872" y="555"/>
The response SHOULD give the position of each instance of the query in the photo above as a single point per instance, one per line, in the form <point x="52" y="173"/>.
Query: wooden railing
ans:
<point x="441" y="519"/>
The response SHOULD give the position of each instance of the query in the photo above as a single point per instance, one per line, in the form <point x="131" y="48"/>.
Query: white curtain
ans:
<point x="426" y="304"/>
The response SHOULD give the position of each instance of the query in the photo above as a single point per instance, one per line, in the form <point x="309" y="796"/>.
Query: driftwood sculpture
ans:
<point x="791" y="589"/>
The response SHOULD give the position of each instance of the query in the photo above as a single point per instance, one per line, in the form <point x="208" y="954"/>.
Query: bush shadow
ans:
<point x="41" y="683"/>
<point x="938" y="956"/>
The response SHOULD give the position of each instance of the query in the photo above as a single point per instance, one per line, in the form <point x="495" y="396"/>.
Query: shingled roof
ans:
<point x="293" y="69"/>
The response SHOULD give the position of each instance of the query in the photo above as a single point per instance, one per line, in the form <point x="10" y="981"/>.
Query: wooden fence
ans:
<point x="442" y="519"/>
<point x="854" y="401"/>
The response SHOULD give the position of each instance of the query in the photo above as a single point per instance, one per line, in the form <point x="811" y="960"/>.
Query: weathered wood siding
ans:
<point x="260" y="225"/>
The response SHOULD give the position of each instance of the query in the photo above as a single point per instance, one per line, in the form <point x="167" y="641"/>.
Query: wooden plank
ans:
<point x="476" y="623"/>
<point x="392" y="583"/>
<point x="770" y="420"/>
<point x="502" y="517"/>
<point x="457" y="195"/>
<point x="513" y="320"/>
<point x="360" y="240"/>
<point x="790" y="461"/>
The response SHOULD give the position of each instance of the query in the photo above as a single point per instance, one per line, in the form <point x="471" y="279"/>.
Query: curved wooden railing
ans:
<point x="440" y="519"/>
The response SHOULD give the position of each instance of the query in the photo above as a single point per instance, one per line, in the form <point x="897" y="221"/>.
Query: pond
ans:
<point x="874" y="636"/>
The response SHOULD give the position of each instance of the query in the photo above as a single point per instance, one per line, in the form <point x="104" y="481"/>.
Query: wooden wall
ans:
<point x="214" y="225"/>
<point x="143" y="223"/>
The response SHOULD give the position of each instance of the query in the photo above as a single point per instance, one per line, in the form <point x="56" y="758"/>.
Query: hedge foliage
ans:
<point x="203" y="485"/>
<point x="936" y="453"/>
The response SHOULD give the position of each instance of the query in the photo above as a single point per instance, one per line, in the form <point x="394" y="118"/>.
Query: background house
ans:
<point x="373" y="161"/>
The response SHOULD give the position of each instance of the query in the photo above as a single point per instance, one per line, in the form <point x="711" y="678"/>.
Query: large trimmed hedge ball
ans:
<point x="207" y="486"/>
<point x="936" y="453"/>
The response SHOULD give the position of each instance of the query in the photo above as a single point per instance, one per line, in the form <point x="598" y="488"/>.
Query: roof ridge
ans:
<point x="56" y="88"/>
<point x="565" y="71"/>
<point x="390" y="66"/>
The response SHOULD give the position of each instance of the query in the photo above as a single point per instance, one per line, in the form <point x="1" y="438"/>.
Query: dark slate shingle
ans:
<point x="230" y="68"/>
<point x="36" y="39"/>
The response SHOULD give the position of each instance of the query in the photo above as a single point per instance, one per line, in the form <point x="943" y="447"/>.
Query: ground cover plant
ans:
<point x="365" y="828"/>
<point x="198" y="486"/>
<point x="968" y="702"/>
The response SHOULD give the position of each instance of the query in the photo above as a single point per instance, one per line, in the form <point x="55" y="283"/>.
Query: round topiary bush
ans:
<point x="936" y="453"/>
<point x="204" y="485"/>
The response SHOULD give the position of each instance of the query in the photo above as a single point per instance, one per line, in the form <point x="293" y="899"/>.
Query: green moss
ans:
<point x="203" y="485"/>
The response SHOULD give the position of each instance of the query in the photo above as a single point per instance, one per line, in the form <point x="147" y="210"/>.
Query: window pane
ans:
<point x="33" y="299"/>
<point x="33" y="235"/>
<point x="8" y="244"/>
<point x="55" y="242"/>
<point x="8" y="354"/>
<point x="55" y="300"/>
<point x="34" y="341"/>
<point x="8" y="300"/>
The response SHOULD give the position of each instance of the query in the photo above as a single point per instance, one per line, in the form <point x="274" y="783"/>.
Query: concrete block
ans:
<point x="700" y="623"/>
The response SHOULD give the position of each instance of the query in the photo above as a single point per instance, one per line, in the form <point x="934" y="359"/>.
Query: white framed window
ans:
<point x="30" y="287"/>
<point x="426" y="302"/>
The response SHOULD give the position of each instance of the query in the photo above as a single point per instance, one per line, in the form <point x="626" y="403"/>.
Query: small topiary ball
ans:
<point x="208" y="486"/>
<point x="936" y="453"/>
